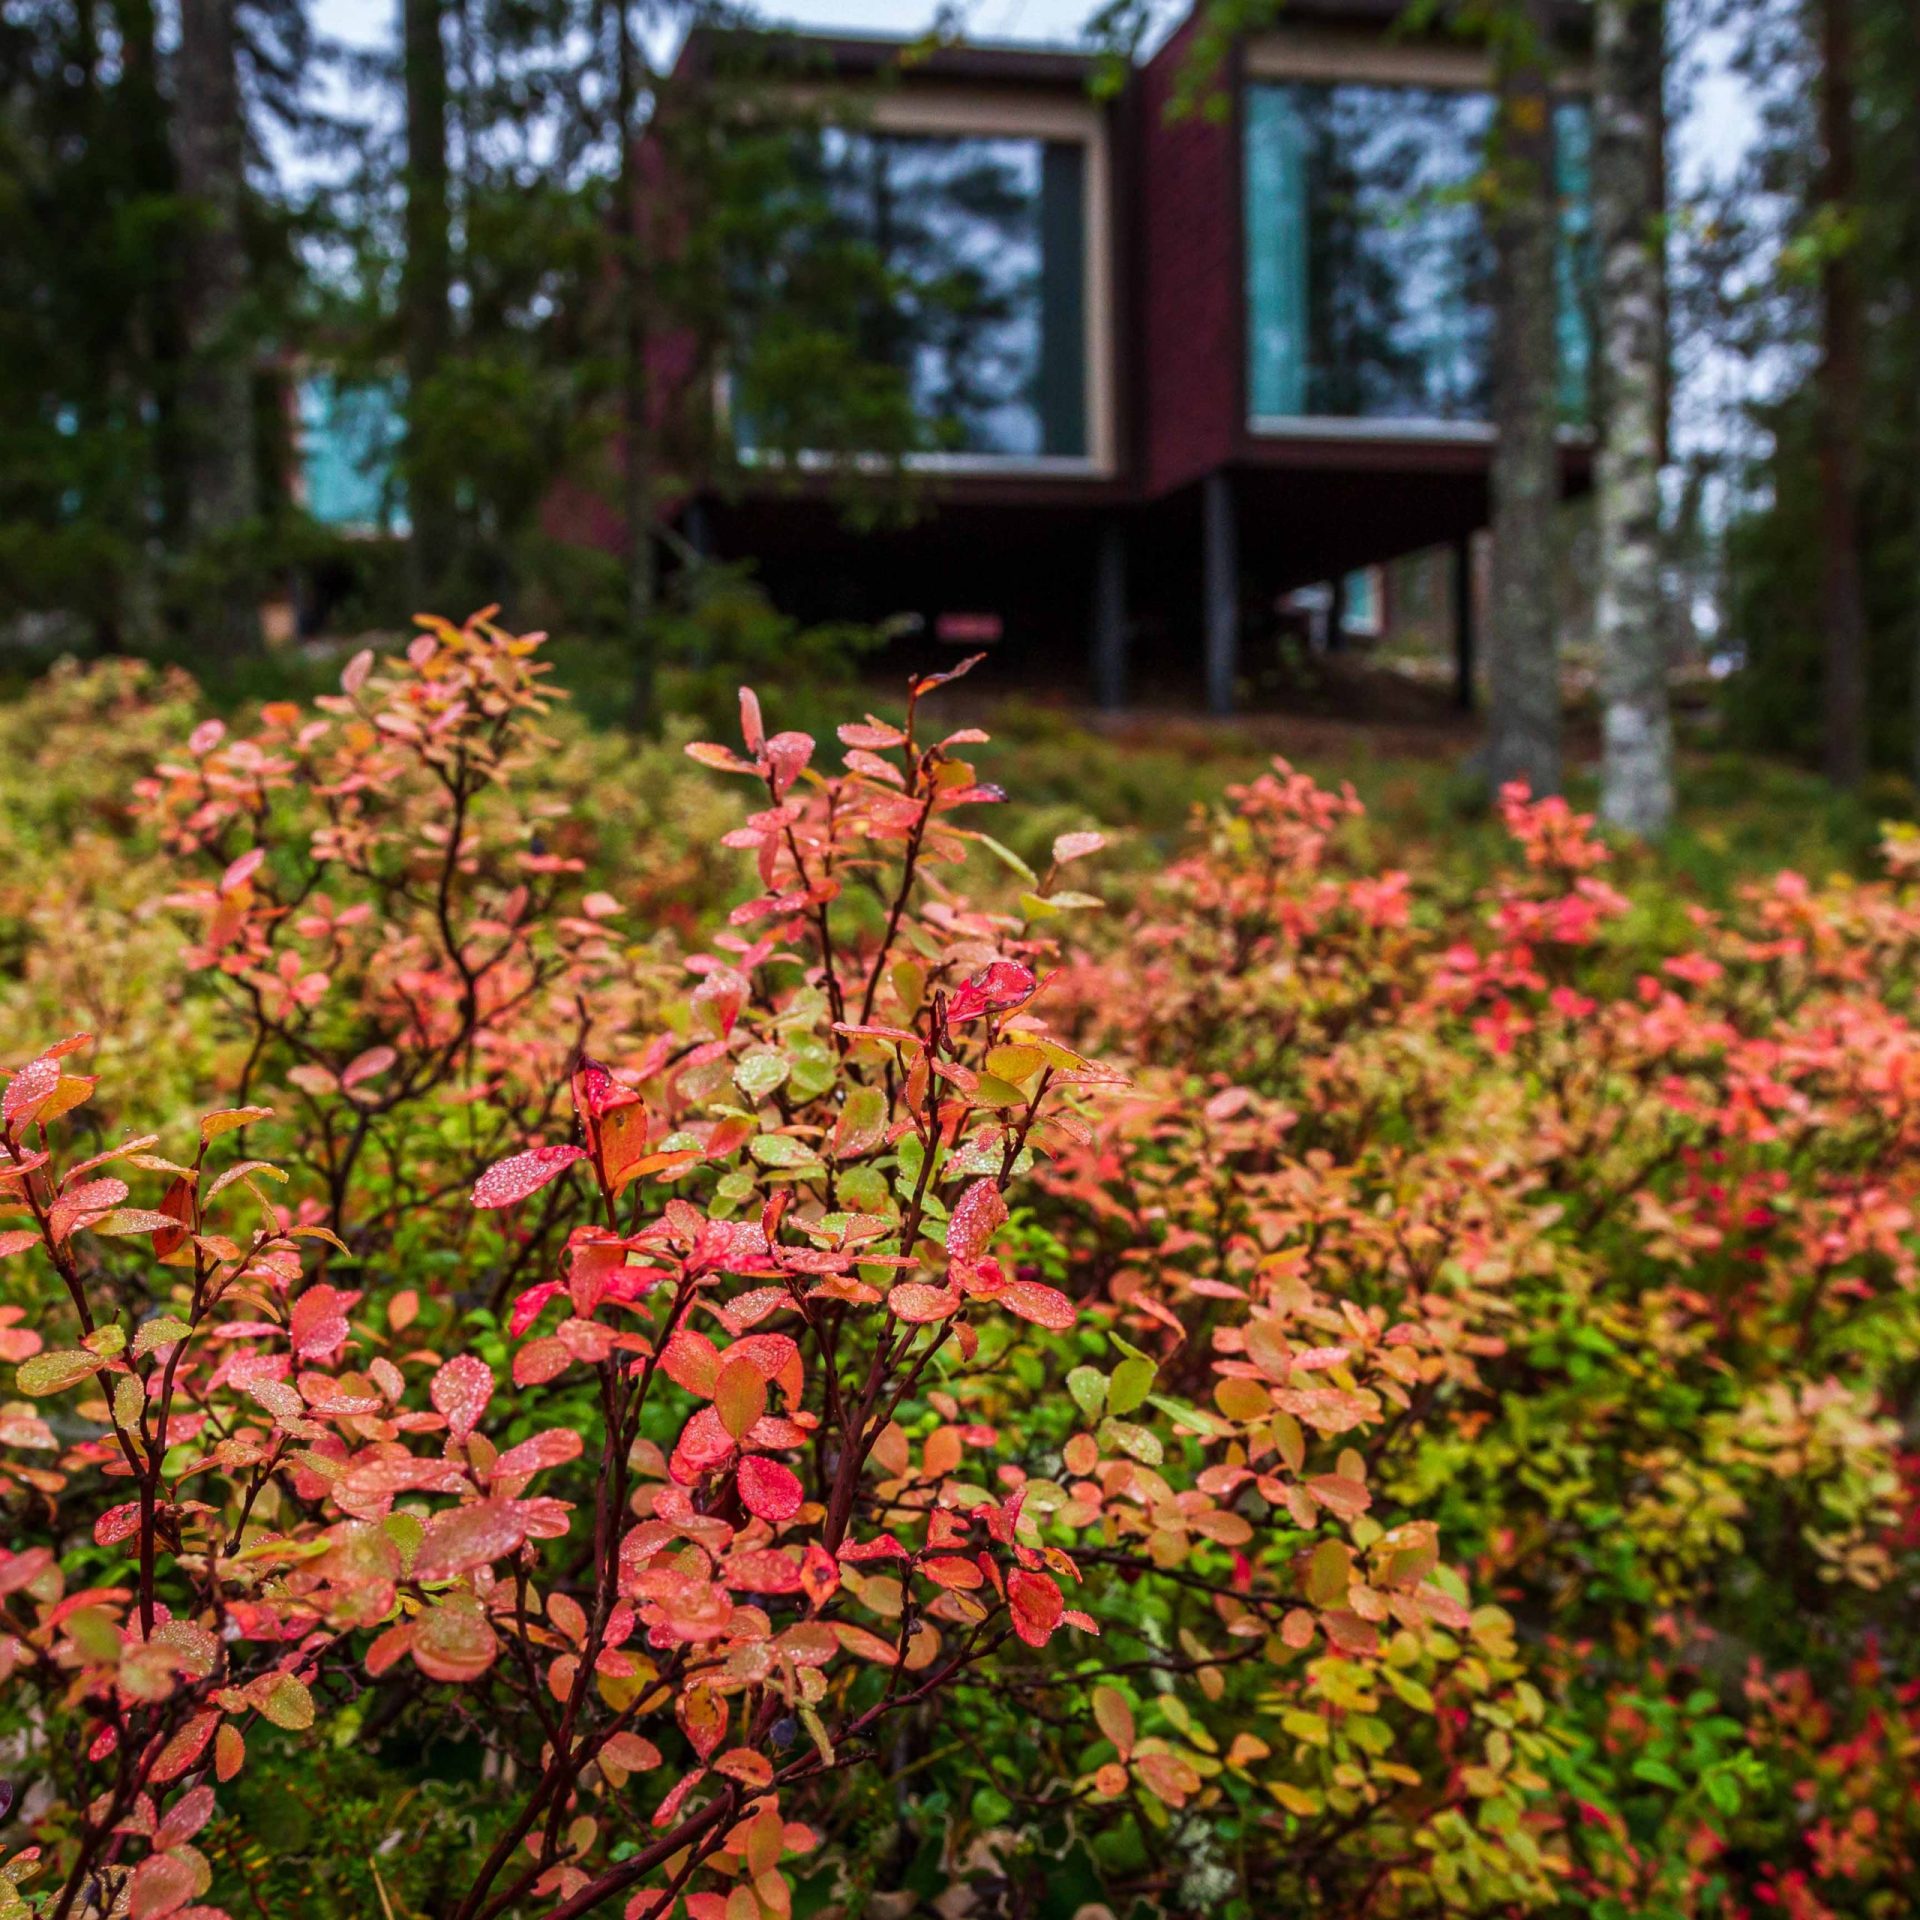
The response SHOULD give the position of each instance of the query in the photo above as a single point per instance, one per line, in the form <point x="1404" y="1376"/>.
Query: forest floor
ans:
<point x="1391" y="728"/>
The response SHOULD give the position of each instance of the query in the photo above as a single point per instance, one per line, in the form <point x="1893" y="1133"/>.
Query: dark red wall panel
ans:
<point x="1190" y="323"/>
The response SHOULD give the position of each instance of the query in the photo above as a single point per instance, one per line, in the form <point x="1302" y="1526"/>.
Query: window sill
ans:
<point x="1010" y="466"/>
<point x="1329" y="426"/>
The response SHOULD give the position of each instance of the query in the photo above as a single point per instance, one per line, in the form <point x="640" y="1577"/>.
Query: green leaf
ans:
<point x="1411" y="1691"/>
<point x="55" y="1372"/>
<point x="1131" y="1383"/>
<point x="864" y="1189"/>
<point x="1007" y="858"/>
<point x="161" y="1332"/>
<point x="1183" y="1415"/>
<point x="288" y="1704"/>
<point x="761" y="1073"/>
<point x="1088" y="1385"/>
<point x="782" y="1150"/>
<point x="994" y="1092"/>
<point x="1329" y="1574"/>
<point x="1141" y="1442"/>
<point x="1658" y="1774"/>
<point x="862" y="1124"/>
<point x="817" y="1733"/>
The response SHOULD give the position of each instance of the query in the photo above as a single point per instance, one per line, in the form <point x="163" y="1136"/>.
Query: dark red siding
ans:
<point x="1191" y="324"/>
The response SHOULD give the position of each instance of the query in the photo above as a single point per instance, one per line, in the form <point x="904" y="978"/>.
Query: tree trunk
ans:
<point x="1636" y="785"/>
<point x="636" y="454"/>
<point x="217" y="394"/>
<point x="1841" y="416"/>
<point x="155" y="178"/>
<point x="427" y="294"/>
<point x="1523" y="734"/>
<point x="1913" y="366"/>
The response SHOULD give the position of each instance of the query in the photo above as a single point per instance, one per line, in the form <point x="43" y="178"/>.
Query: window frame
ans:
<point x="1015" y="113"/>
<point x="1329" y="56"/>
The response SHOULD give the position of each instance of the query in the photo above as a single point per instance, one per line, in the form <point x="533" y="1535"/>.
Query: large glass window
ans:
<point x="348" y="438"/>
<point x="1368" y="263"/>
<point x="977" y="299"/>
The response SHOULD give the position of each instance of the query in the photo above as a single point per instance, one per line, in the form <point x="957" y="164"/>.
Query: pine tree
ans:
<point x="217" y="424"/>
<point x="1840" y="380"/>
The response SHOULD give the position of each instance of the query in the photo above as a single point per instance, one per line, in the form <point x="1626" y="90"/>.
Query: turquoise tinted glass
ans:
<point x="348" y="438"/>
<point x="1368" y="269"/>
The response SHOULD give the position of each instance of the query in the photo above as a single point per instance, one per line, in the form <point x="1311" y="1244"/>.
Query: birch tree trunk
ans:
<point x="1523" y="706"/>
<point x="217" y="394"/>
<point x="426" y="291"/>
<point x="1843" y="609"/>
<point x="1636" y="774"/>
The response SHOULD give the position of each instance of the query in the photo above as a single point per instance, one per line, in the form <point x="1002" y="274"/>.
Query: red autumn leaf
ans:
<point x="883" y="1546"/>
<point x="1035" y="1604"/>
<point x="243" y="869"/>
<point x="926" y="682"/>
<point x="453" y="1641"/>
<point x="764" y="1570"/>
<point x="743" y="1764"/>
<point x="117" y="1524"/>
<point x="768" y="1490"/>
<point x="176" y="1205"/>
<point x="319" y="1321"/>
<point x="953" y="1571"/>
<point x="919" y="1304"/>
<point x="1340" y="1493"/>
<point x="632" y="1751"/>
<point x="819" y="1575"/>
<point x="786" y="756"/>
<point x="864" y="1645"/>
<point x="978" y="1214"/>
<point x="703" y="1719"/>
<point x="692" y="1361"/>
<point x="80" y="1204"/>
<point x="720" y="759"/>
<point x="460" y="1391"/>
<point x="596" y="1092"/>
<point x="527" y="1308"/>
<point x="472" y="1536"/>
<point x="752" y="728"/>
<point x="1115" y="1716"/>
<point x="28" y="1091"/>
<point x="1076" y="846"/>
<point x="184" y="1818"/>
<point x="1044" y="1305"/>
<point x="512" y="1179"/>
<point x="185" y="1748"/>
<point x="368" y="1066"/>
<point x="161" y="1884"/>
<point x="541" y="1360"/>
<point x="554" y="1448"/>
<point x="995" y="989"/>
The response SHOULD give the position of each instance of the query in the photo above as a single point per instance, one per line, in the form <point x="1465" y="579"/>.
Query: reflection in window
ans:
<point x="1369" y="269"/>
<point x="978" y="297"/>
<point x="348" y="436"/>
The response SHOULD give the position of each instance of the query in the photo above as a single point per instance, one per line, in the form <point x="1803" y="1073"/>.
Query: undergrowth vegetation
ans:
<point x="595" y="1331"/>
